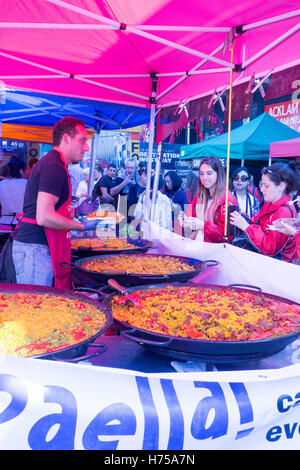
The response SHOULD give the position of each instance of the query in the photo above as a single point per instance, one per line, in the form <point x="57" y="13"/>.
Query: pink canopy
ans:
<point x="285" y="148"/>
<point x="117" y="50"/>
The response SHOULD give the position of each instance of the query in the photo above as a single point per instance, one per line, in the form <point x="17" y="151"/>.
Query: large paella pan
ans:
<point x="45" y="322"/>
<point x="136" y="269"/>
<point x="93" y="246"/>
<point x="208" y="322"/>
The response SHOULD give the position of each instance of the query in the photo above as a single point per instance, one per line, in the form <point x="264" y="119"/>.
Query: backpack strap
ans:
<point x="286" y="205"/>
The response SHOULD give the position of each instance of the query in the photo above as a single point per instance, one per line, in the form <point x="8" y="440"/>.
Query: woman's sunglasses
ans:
<point x="240" y="178"/>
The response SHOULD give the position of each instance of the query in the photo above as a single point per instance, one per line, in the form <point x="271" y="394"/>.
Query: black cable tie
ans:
<point x="238" y="68"/>
<point x="239" y="29"/>
<point x="123" y="26"/>
<point x="72" y="75"/>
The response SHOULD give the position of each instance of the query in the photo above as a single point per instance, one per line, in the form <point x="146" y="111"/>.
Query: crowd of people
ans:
<point x="48" y="196"/>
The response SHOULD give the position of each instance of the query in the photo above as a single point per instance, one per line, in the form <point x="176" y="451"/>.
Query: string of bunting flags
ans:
<point x="201" y="112"/>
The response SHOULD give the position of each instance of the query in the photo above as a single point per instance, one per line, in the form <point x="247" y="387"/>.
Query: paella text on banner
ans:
<point x="53" y="405"/>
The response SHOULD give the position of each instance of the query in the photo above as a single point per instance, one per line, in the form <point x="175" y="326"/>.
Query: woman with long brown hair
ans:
<point x="206" y="214"/>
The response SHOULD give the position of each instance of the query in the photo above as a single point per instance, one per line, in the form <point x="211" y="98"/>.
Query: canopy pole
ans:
<point x="94" y="152"/>
<point x="156" y="180"/>
<point x="150" y="149"/>
<point x="228" y="145"/>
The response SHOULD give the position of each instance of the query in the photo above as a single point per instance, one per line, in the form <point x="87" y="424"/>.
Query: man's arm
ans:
<point x="106" y="194"/>
<point x="47" y="216"/>
<point x="117" y="189"/>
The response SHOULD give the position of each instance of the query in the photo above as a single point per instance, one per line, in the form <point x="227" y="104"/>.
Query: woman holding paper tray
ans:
<point x="206" y="214"/>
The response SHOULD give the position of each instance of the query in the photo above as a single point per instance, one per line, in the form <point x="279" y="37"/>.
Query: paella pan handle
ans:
<point x="246" y="286"/>
<point x="138" y="339"/>
<point x="153" y="276"/>
<point x="89" y="289"/>
<point x="102" y="349"/>
<point x="111" y="272"/>
<point x="210" y="262"/>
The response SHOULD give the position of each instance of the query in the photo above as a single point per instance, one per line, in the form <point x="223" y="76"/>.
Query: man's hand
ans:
<point x="90" y="224"/>
<point x="128" y="179"/>
<point x="190" y="222"/>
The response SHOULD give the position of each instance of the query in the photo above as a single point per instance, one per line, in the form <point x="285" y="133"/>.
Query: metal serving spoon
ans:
<point x="115" y="285"/>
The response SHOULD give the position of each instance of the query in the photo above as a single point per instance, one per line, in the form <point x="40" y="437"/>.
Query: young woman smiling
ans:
<point x="206" y="215"/>
<point x="278" y="180"/>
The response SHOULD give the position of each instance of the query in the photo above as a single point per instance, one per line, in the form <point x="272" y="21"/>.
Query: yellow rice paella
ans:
<point x="35" y="324"/>
<point x="101" y="243"/>
<point x="145" y="264"/>
<point x="208" y="313"/>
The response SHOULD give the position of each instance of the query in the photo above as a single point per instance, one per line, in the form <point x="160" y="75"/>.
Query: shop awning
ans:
<point x="285" y="149"/>
<point x="38" y="109"/>
<point x="27" y="133"/>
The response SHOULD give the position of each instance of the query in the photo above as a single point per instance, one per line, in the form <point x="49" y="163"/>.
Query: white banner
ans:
<point x="46" y="405"/>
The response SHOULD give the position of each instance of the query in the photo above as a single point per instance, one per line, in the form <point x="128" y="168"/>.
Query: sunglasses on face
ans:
<point x="240" y="178"/>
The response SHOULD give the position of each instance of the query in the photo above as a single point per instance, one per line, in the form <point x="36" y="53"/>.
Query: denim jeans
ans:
<point x="33" y="264"/>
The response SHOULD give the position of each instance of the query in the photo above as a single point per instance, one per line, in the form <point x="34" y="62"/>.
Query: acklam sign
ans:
<point x="287" y="112"/>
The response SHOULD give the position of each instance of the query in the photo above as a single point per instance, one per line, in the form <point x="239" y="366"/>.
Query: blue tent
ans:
<point x="250" y="141"/>
<point x="37" y="109"/>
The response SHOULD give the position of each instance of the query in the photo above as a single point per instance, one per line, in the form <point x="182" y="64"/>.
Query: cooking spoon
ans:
<point x="115" y="285"/>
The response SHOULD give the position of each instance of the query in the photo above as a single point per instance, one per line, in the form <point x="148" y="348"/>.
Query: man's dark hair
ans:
<point x="111" y="165"/>
<point x="67" y="125"/>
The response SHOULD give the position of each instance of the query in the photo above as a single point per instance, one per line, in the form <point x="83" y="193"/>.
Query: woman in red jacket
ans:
<point x="278" y="180"/>
<point x="206" y="215"/>
<point x="291" y="231"/>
